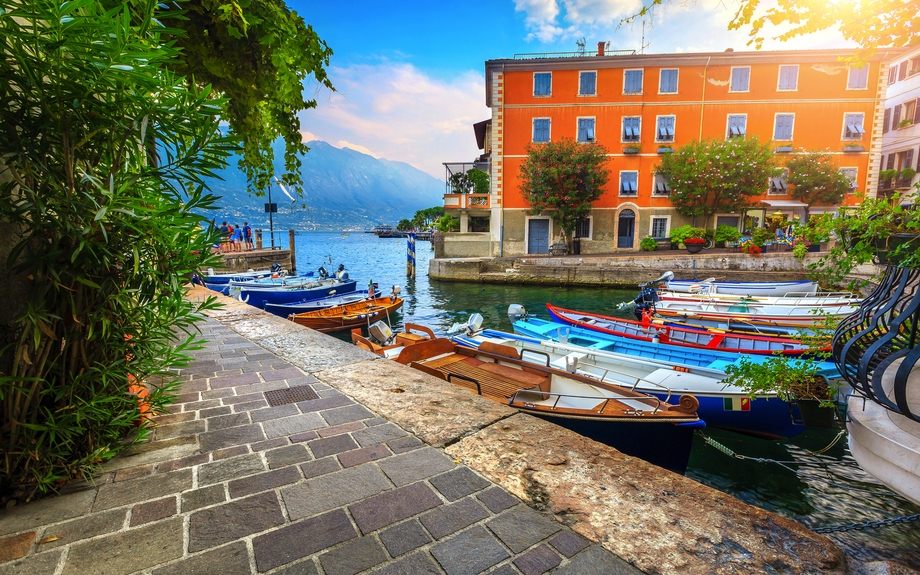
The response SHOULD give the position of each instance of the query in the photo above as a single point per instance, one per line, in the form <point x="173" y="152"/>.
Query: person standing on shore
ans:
<point x="224" y="230"/>
<point x="230" y="237"/>
<point x="247" y="236"/>
<point x="238" y="238"/>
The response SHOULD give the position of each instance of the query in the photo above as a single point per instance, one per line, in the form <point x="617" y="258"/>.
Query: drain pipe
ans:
<point x="501" y="209"/>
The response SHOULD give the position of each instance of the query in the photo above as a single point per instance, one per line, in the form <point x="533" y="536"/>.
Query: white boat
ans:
<point x="819" y="300"/>
<point x="743" y="288"/>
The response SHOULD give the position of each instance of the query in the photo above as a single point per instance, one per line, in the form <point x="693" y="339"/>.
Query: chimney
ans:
<point x="600" y="48"/>
<point x="729" y="49"/>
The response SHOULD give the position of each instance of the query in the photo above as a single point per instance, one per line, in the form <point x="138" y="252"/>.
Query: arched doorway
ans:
<point x="626" y="229"/>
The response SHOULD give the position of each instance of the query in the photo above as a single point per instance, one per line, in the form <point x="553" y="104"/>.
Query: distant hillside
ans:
<point x="343" y="189"/>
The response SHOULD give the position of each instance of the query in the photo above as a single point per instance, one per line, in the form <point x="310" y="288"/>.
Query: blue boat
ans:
<point x="331" y="300"/>
<point x="258" y="297"/>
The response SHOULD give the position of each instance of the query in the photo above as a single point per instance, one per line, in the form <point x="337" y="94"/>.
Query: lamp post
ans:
<point x="270" y="208"/>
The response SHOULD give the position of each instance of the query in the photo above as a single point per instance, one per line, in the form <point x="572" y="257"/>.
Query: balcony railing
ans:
<point x="455" y="180"/>
<point x="580" y="54"/>
<point x="463" y="201"/>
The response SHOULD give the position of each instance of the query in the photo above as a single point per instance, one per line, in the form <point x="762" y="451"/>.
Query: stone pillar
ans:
<point x="464" y="222"/>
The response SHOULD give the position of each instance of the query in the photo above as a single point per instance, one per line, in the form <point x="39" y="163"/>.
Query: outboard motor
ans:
<point x="395" y="291"/>
<point x="645" y="302"/>
<point x="516" y="312"/>
<point x="323" y="274"/>
<point x="276" y="268"/>
<point x="341" y="274"/>
<point x="474" y="324"/>
<point x="380" y="333"/>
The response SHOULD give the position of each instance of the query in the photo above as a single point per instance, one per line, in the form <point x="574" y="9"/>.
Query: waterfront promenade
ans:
<point x="371" y="467"/>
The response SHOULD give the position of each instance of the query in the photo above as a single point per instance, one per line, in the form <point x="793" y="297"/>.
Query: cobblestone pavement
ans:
<point x="230" y="484"/>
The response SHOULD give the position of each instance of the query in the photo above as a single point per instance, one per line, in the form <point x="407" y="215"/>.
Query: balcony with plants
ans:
<point x="467" y="186"/>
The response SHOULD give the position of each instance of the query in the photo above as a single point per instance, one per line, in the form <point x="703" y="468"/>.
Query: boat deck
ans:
<point x="497" y="381"/>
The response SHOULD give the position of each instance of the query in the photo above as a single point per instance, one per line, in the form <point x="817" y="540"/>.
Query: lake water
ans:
<point x="817" y="492"/>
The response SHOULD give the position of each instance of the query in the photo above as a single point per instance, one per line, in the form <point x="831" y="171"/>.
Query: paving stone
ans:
<point x="275" y="412"/>
<point x="375" y="421"/>
<point x="340" y="429"/>
<point x="227" y="560"/>
<point x="153" y="511"/>
<point x="334" y="490"/>
<point x="225" y="523"/>
<point x="204" y="497"/>
<point x="249" y="397"/>
<point x="307" y="567"/>
<point x="182" y="463"/>
<point x="497" y="499"/>
<point x="201" y="405"/>
<point x="41" y="564"/>
<point x="537" y="561"/>
<point x="365" y="455"/>
<point x="504" y="570"/>
<point x="306" y="380"/>
<point x="215" y="411"/>
<point x="270" y="444"/>
<point x="287" y="455"/>
<point x="264" y="481"/>
<point x="83" y="528"/>
<point x="419" y="464"/>
<point x="199" y="384"/>
<point x="127" y="551"/>
<point x="320" y="467"/>
<point x="596" y="559"/>
<point x="262" y="387"/>
<point x="320" y="404"/>
<point x="378" y="434"/>
<point x="292" y="425"/>
<point x="346" y="414"/>
<point x="134" y="491"/>
<point x="193" y="427"/>
<point x="332" y="445"/>
<point x="458" y="483"/>
<point x="230" y="469"/>
<point x="186" y="398"/>
<point x="452" y="518"/>
<point x="133" y="472"/>
<point x="405" y="444"/>
<point x="305" y="436"/>
<point x="404" y="537"/>
<point x="301" y="539"/>
<point x="568" y="543"/>
<point x="16" y="546"/>
<point x="470" y="552"/>
<point x="172" y="418"/>
<point x="234" y="380"/>
<point x="329" y="393"/>
<point x="283" y="373"/>
<point x="217" y="394"/>
<point x="259" y="356"/>
<point x="522" y="527"/>
<point x="229" y="452"/>
<point x="392" y="506"/>
<point x="416" y="564"/>
<point x="353" y="557"/>
<point x="214" y="440"/>
<point x="227" y="421"/>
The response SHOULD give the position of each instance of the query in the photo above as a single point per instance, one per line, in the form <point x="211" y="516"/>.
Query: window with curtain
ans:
<point x="850" y="173"/>
<point x="632" y="82"/>
<point x="631" y="126"/>
<point x="587" y="84"/>
<point x="741" y="79"/>
<point x="667" y="84"/>
<point x="586" y="129"/>
<point x="541" y="130"/>
<point x="543" y="84"/>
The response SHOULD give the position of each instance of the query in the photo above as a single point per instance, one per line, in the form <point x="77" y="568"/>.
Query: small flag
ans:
<point x="736" y="403"/>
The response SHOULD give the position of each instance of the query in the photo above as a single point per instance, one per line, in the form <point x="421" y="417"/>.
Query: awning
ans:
<point x="783" y="204"/>
<point x="479" y="129"/>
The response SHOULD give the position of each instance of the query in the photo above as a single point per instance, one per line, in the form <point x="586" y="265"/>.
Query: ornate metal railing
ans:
<point x="877" y="347"/>
<point x="578" y="54"/>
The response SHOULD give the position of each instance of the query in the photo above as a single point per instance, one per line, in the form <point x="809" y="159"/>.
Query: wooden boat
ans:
<point x="651" y="330"/>
<point x="259" y="296"/>
<point x="328" y="301"/>
<point x="350" y="315"/>
<point x="821" y="300"/>
<point x="635" y="423"/>
<point x="744" y="288"/>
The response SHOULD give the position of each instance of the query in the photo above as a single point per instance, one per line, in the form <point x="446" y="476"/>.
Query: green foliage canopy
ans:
<point x="717" y="175"/>
<point x="816" y="179"/>
<point x="564" y="176"/>
<point x="427" y="217"/>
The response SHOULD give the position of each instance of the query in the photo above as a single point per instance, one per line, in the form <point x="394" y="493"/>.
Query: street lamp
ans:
<point x="271" y="208"/>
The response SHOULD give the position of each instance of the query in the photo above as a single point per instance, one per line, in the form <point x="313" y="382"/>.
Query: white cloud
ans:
<point x="602" y="12"/>
<point x="395" y="111"/>
<point x="307" y="136"/>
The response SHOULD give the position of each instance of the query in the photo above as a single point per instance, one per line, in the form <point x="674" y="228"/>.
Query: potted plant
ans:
<point x="665" y="149"/>
<point x="887" y="174"/>
<point x="648" y="244"/>
<point x="905" y="123"/>
<point x="725" y="234"/>
<point x="800" y="248"/>
<point x="751" y="249"/>
<point x="632" y="149"/>
<point x="681" y="234"/>
<point x="907" y="174"/>
<point x="694" y="245"/>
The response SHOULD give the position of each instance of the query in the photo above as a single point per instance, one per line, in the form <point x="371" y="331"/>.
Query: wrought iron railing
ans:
<point x="580" y="54"/>
<point x="456" y="184"/>
<point x="877" y="347"/>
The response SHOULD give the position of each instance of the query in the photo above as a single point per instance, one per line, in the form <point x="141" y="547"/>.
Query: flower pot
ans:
<point x="720" y="244"/>
<point x="630" y="150"/>
<point x="694" y="248"/>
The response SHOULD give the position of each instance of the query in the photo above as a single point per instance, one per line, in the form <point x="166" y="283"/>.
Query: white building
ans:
<point x="901" y="127"/>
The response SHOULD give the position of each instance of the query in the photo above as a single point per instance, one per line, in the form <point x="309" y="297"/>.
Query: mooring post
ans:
<point x="258" y="239"/>
<point x="410" y="255"/>
<point x="291" y="242"/>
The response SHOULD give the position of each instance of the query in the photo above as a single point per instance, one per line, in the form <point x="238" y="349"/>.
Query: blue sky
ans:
<point x="409" y="75"/>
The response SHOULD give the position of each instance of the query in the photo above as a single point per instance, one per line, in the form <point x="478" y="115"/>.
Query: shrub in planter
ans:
<point x="761" y="236"/>
<point x="648" y="244"/>
<point x="678" y="235"/>
<point x="726" y="234"/>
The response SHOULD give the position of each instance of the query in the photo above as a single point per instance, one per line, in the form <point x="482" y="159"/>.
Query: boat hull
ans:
<point x="259" y="297"/>
<point x="748" y="288"/>
<point x="348" y="316"/>
<point x="284" y="310"/>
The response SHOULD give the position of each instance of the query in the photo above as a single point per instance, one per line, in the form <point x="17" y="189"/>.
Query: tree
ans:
<point x="404" y="225"/>
<point x="717" y="175"/>
<point x="871" y="24"/>
<point x="564" y="176"/>
<point x="816" y="179"/>
<point x="427" y="217"/>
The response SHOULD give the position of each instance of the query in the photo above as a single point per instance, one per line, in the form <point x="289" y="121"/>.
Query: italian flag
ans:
<point x="736" y="403"/>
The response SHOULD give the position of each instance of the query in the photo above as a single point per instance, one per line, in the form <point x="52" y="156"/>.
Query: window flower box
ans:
<point x="853" y="148"/>
<point x="665" y="150"/>
<point x="631" y="150"/>
<point x="782" y="149"/>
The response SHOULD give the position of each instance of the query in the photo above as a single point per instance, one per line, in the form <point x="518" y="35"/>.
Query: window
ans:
<point x="886" y="121"/>
<point x="629" y="183"/>
<point x="540" y="130"/>
<point x="895" y="117"/>
<point x="587" y="84"/>
<point x="892" y="75"/>
<point x="909" y="112"/>
<point x="914" y="67"/>
<point x="543" y="84"/>
<point x="585" y="129"/>
<point x="906" y="160"/>
<point x="902" y="70"/>
<point x="665" y="131"/>
<point x="853" y="127"/>
<point x="782" y="128"/>
<point x="778" y="183"/>
<point x="632" y="82"/>
<point x="850" y="173"/>
<point x="858" y="78"/>
<point x="741" y="79"/>
<point x="583" y="228"/>
<point x="737" y="125"/>
<point x="788" y="78"/>
<point x="662" y="186"/>
<point x="667" y="82"/>
<point x="730" y="221"/>
<point x="659" y="227"/>
<point x="631" y="128"/>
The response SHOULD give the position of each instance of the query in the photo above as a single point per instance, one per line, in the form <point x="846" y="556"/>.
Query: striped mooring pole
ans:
<point x="410" y="255"/>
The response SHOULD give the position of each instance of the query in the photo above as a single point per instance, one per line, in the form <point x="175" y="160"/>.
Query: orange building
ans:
<point x="642" y="106"/>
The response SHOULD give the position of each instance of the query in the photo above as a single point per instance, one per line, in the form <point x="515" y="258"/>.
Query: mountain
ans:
<point x="343" y="190"/>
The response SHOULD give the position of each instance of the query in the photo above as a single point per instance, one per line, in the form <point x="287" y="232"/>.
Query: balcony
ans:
<point x="467" y="201"/>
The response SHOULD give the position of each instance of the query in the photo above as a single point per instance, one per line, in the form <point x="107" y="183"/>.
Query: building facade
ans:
<point x="642" y="106"/>
<point x="901" y="125"/>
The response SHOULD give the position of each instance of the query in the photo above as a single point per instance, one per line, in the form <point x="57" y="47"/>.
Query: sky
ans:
<point x="409" y="76"/>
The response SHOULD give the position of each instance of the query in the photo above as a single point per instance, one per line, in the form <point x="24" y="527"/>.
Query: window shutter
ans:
<point x="891" y="161"/>
<point x="584" y="84"/>
<point x="892" y="75"/>
<point x="582" y="130"/>
<point x="895" y="117"/>
<point x="887" y="120"/>
<point x="745" y="78"/>
<point x="917" y="111"/>
<point x="908" y="159"/>
<point x="902" y="70"/>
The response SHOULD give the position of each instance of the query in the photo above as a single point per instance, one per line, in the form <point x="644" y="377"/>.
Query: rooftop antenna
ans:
<point x="643" y="45"/>
<point x="581" y="46"/>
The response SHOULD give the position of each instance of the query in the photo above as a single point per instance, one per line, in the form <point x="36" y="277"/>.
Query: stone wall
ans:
<point x="463" y="245"/>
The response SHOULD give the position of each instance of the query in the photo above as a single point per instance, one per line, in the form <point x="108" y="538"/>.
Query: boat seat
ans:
<point x="492" y="384"/>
